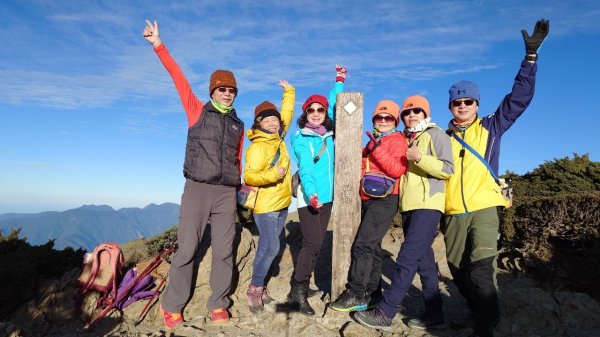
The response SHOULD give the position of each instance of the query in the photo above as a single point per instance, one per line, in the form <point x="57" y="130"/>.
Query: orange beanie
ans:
<point x="416" y="101"/>
<point x="387" y="107"/>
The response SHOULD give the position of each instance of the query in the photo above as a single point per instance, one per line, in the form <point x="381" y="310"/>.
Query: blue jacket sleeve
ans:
<point x="511" y="107"/>
<point x="337" y="88"/>
<point x="515" y="103"/>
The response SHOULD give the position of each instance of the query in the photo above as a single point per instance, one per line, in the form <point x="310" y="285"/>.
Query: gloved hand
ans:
<point x="371" y="145"/>
<point x="340" y="73"/>
<point x="314" y="202"/>
<point x="533" y="42"/>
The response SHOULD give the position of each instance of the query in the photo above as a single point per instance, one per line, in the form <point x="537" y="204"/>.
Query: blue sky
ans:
<point x="88" y="115"/>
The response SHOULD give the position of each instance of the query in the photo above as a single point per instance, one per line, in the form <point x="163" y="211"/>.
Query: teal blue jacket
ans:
<point x="306" y="144"/>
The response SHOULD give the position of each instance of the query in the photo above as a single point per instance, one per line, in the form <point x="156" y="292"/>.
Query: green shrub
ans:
<point x="560" y="176"/>
<point x="24" y="267"/>
<point x="552" y="232"/>
<point x="559" y="240"/>
<point x="563" y="176"/>
<point x="159" y="242"/>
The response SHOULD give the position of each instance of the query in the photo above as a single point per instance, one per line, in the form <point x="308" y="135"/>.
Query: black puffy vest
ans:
<point x="211" y="153"/>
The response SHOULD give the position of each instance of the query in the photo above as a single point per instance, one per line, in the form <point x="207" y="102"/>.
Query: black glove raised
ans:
<point x="533" y="42"/>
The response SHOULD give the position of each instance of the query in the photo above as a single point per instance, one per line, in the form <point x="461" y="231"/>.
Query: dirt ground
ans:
<point x="277" y="319"/>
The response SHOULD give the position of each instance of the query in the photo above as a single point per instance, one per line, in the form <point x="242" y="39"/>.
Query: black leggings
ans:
<point x="313" y="225"/>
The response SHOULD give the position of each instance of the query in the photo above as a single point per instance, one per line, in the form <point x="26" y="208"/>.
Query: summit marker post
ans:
<point x="346" y="199"/>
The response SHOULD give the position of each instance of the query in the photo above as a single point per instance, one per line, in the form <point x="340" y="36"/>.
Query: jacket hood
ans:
<point x="309" y="132"/>
<point x="256" y="135"/>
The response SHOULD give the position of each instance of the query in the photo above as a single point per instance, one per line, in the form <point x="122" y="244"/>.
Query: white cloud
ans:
<point x="98" y="57"/>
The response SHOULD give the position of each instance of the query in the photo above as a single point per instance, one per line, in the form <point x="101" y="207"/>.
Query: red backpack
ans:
<point x="102" y="271"/>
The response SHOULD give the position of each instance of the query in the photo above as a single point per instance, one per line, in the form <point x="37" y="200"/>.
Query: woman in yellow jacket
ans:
<point x="422" y="198"/>
<point x="268" y="167"/>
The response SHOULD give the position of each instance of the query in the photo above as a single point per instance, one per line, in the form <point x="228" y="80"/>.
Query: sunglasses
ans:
<point x="224" y="90"/>
<point x="311" y="110"/>
<point x="416" y="111"/>
<point x="384" y="119"/>
<point x="468" y="102"/>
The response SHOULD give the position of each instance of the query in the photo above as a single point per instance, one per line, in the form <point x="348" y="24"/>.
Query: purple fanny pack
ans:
<point x="377" y="185"/>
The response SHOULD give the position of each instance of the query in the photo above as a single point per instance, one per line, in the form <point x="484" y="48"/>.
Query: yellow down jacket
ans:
<point x="274" y="193"/>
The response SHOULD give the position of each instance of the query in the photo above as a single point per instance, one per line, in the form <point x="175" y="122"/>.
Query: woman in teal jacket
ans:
<point x="313" y="151"/>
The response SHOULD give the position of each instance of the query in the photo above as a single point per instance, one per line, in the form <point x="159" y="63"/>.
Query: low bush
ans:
<point x="24" y="267"/>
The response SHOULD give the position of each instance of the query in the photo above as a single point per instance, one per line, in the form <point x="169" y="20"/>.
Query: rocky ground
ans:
<point x="526" y="309"/>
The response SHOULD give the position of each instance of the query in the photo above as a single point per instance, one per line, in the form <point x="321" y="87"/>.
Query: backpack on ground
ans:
<point x="102" y="271"/>
<point x="136" y="286"/>
<point x="140" y="288"/>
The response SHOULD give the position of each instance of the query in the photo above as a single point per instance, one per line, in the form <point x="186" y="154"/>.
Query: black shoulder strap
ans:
<point x="477" y="155"/>
<point x="277" y="154"/>
<point x="323" y="148"/>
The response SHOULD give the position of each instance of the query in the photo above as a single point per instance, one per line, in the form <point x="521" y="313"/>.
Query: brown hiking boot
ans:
<point x="255" y="303"/>
<point x="266" y="298"/>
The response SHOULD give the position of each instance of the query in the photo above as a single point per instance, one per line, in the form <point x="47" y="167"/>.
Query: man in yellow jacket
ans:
<point x="472" y="194"/>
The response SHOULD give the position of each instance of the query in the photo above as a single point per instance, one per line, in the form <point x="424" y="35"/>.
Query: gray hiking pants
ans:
<point x="200" y="202"/>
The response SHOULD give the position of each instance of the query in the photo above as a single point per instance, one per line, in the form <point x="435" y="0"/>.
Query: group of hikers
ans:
<point x="438" y="177"/>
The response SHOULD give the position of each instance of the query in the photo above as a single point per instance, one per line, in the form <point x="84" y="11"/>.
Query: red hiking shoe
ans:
<point x="171" y="319"/>
<point x="219" y="316"/>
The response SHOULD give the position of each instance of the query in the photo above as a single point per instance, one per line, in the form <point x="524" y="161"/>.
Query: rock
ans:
<point x="533" y="311"/>
<point x="353" y="329"/>
<point x="10" y="330"/>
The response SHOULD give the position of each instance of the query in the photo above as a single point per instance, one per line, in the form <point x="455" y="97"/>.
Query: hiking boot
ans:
<point x="427" y="323"/>
<point x="463" y="323"/>
<point x="266" y="298"/>
<point x="310" y="292"/>
<point x="171" y="319"/>
<point x="255" y="303"/>
<point x="219" y="316"/>
<point x="373" y="299"/>
<point x="375" y="319"/>
<point x="348" y="302"/>
<point x="298" y="295"/>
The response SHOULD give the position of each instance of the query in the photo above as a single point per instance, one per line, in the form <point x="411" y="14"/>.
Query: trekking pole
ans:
<point x="144" y="311"/>
<point x="162" y="256"/>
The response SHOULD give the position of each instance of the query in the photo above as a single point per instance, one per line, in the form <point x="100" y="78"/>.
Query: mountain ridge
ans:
<point x="87" y="225"/>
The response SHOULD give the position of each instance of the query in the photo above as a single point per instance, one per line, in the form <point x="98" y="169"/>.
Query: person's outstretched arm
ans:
<point x="287" y="104"/>
<point x="340" y="79"/>
<point x="515" y="103"/>
<point x="192" y="105"/>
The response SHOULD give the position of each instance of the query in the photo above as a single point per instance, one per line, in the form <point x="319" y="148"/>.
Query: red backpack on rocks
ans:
<point x="102" y="271"/>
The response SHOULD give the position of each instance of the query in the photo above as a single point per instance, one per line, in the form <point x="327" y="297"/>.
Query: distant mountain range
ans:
<point x="89" y="225"/>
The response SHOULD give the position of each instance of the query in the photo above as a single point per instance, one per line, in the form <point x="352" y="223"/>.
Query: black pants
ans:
<point x="366" y="264"/>
<point x="477" y="286"/>
<point x="313" y="225"/>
